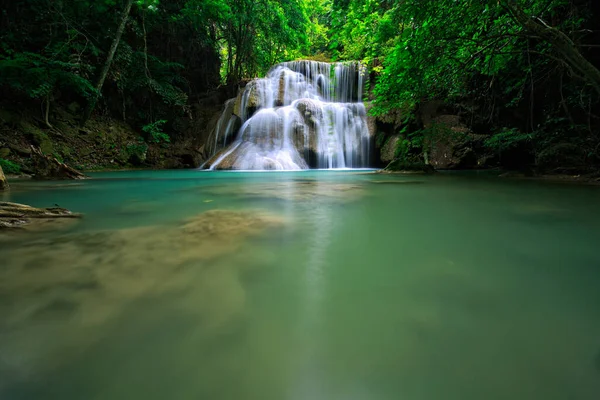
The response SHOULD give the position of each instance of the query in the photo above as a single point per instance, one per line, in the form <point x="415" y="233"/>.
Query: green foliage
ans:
<point x="477" y="55"/>
<point x="136" y="152"/>
<point x="39" y="76"/>
<point x="410" y="145"/>
<point x="259" y="34"/>
<point x="508" y="138"/>
<point x="155" y="133"/>
<point x="10" y="167"/>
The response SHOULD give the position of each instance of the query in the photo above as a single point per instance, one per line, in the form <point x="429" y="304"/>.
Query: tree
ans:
<point x="566" y="48"/>
<point x="519" y="69"/>
<point x="109" y="59"/>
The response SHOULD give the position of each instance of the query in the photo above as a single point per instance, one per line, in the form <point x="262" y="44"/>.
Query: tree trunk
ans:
<point x="561" y="43"/>
<point x="3" y="182"/>
<point x="109" y="58"/>
<point x="47" y="112"/>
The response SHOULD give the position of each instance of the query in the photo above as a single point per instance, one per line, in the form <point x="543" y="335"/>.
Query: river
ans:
<point x="303" y="285"/>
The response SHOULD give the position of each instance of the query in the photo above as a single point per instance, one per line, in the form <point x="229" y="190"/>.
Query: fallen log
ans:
<point x="15" y="215"/>
<point x="48" y="167"/>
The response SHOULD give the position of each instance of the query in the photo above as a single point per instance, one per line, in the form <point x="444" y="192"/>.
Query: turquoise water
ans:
<point x="303" y="286"/>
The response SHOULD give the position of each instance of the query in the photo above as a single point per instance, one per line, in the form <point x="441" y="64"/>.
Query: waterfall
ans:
<point x="224" y="127"/>
<point x="303" y="114"/>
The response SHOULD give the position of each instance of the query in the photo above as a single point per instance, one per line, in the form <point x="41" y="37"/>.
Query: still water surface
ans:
<point x="304" y="286"/>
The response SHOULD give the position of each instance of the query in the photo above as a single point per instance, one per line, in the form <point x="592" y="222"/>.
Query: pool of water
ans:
<point x="303" y="286"/>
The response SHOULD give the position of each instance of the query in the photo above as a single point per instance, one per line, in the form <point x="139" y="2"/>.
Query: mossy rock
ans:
<point x="137" y="153"/>
<point x="38" y="136"/>
<point x="65" y="151"/>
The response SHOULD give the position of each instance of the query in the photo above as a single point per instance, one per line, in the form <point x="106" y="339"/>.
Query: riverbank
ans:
<point x="106" y="143"/>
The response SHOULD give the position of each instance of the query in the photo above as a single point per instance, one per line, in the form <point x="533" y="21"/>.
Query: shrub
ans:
<point x="155" y="132"/>
<point x="10" y="167"/>
<point x="136" y="152"/>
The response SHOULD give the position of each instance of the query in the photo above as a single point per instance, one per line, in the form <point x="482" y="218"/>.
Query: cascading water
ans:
<point x="303" y="114"/>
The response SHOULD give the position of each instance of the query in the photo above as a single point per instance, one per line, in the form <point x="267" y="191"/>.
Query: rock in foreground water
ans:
<point x="14" y="215"/>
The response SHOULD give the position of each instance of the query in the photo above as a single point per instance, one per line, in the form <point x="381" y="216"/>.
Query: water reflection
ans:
<point x="308" y="381"/>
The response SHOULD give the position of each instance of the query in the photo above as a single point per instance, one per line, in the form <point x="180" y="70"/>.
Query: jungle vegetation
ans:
<point x="525" y="73"/>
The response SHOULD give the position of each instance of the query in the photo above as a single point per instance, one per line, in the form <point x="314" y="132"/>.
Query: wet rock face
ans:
<point x="296" y="191"/>
<point x="453" y="145"/>
<point x="280" y="99"/>
<point x="248" y="100"/>
<point x="388" y="151"/>
<point x="371" y="120"/>
<point x="310" y="110"/>
<point x="223" y="131"/>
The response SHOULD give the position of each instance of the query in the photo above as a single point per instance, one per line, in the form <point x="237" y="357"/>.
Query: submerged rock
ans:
<point x="299" y="190"/>
<point x="68" y="289"/>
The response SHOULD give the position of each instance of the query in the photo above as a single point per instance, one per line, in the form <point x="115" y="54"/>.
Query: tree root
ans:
<point x="14" y="215"/>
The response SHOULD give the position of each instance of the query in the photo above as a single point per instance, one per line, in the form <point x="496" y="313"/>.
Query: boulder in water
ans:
<point x="70" y="289"/>
<point x="297" y="190"/>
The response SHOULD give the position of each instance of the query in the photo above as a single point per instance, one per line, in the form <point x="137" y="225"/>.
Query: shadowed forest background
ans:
<point x="472" y="84"/>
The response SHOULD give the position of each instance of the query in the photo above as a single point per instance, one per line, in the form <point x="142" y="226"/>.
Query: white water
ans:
<point x="304" y="113"/>
<point x="223" y="128"/>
